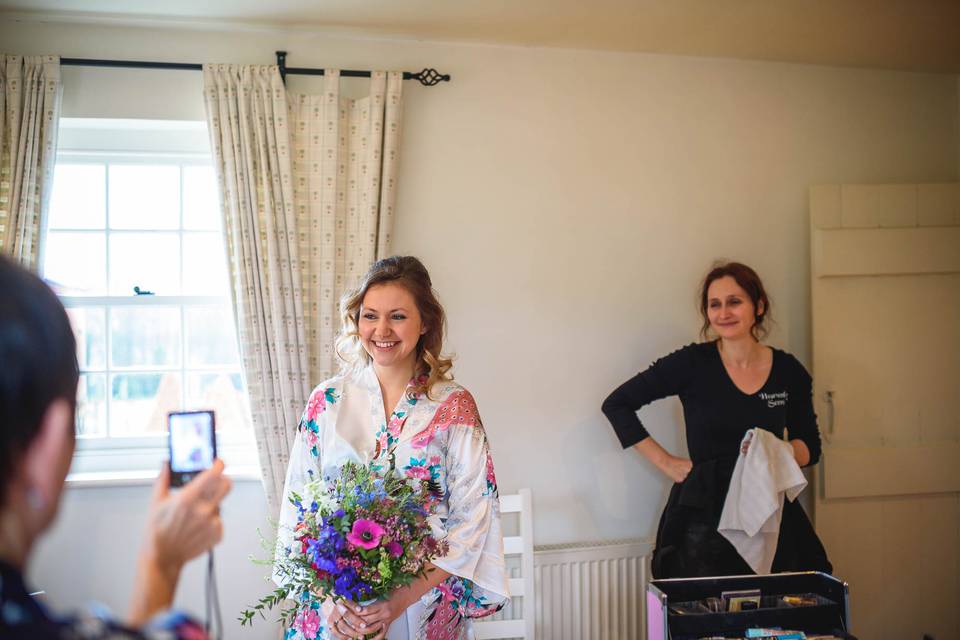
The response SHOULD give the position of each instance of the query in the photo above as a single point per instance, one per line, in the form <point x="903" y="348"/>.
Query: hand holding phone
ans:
<point x="193" y="444"/>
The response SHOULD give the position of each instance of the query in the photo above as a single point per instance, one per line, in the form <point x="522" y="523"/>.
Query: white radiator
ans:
<point x="591" y="591"/>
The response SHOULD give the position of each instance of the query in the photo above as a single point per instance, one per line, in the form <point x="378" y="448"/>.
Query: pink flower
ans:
<point x="317" y="404"/>
<point x="307" y="622"/>
<point x="444" y="589"/>
<point x="396" y="425"/>
<point x="394" y="548"/>
<point x="491" y="476"/>
<point x="311" y="438"/>
<point x="424" y="438"/>
<point x="365" y="533"/>
<point x="419" y="472"/>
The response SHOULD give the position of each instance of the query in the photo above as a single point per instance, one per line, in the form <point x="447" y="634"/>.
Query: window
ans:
<point x="134" y="247"/>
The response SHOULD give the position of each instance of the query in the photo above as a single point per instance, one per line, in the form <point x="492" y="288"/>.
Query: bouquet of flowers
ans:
<point x="357" y="537"/>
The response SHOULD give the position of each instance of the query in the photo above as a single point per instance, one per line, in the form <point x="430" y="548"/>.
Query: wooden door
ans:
<point x="885" y="279"/>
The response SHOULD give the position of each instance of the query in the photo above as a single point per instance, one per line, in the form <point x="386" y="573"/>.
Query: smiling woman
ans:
<point x="396" y="295"/>
<point x="728" y="385"/>
<point x="390" y="325"/>
<point x="396" y="409"/>
<point x="733" y="301"/>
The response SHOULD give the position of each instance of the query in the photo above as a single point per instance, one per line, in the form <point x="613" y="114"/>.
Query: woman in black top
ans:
<point x="727" y="386"/>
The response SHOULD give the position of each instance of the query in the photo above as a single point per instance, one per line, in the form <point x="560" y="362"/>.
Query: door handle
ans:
<point x="831" y="410"/>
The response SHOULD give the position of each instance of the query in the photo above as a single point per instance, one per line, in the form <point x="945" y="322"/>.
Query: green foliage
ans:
<point x="268" y="602"/>
<point x="390" y="508"/>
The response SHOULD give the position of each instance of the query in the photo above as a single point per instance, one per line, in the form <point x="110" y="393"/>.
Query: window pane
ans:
<point x="204" y="264"/>
<point x="144" y="196"/>
<point x="92" y="405"/>
<point x="150" y="261"/>
<point x="201" y="210"/>
<point x="89" y="326"/>
<point x="75" y="264"/>
<point x="145" y="336"/>
<point x="139" y="402"/>
<point x="78" y="200"/>
<point x="224" y="393"/>
<point x="211" y="339"/>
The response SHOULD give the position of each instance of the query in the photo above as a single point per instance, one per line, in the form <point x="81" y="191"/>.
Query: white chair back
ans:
<point x="523" y="587"/>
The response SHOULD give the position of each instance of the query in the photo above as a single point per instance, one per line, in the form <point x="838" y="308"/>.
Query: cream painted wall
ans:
<point x="567" y="202"/>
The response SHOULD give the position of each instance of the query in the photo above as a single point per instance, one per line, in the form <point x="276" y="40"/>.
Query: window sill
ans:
<point x="134" y="462"/>
<point x="95" y="479"/>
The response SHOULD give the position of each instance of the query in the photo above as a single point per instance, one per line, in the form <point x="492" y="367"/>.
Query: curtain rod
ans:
<point x="427" y="77"/>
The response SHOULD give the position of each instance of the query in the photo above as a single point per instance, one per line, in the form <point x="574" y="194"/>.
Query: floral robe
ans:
<point x="441" y="440"/>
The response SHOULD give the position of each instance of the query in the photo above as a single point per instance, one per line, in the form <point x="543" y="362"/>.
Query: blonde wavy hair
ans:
<point x="408" y="272"/>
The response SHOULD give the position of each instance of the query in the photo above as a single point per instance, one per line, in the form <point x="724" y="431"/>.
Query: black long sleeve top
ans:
<point x="716" y="413"/>
<point x="23" y="618"/>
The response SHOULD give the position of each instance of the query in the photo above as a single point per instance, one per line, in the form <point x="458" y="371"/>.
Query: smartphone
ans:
<point x="193" y="444"/>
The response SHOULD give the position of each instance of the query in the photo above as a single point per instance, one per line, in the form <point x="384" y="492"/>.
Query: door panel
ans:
<point x="895" y="341"/>
<point x="885" y="285"/>
<point x="891" y="471"/>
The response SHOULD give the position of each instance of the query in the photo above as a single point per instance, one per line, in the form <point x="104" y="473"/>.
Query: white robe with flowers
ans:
<point x="440" y="439"/>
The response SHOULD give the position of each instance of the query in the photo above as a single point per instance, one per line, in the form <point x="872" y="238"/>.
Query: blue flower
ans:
<point x="313" y="548"/>
<point x="346" y="585"/>
<point x="326" y="564"/>
<point x="379" y="490"/>
<point x="323" y="550"/>
<point x="332" y="538"/>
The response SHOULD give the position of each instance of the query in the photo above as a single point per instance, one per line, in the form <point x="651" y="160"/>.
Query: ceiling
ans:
<point x="914" y="35"/>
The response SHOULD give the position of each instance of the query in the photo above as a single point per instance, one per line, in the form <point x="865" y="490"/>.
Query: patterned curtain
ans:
<point x="30" y="95"/>
<point x="308" y="188"/>
<point x="247" y="116"/>
<point x="345" y="154"/>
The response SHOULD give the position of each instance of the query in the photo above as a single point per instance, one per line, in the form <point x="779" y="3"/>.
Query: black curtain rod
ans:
<point x="427" y="77"/>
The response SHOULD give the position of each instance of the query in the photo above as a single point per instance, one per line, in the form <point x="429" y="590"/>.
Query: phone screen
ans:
<point x="193" y="444"/>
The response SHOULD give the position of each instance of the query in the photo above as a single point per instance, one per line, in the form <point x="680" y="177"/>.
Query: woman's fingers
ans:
<point x="332" y="619"/>
<point x="351" y="614"/>
<point x="680" y="468"/>
<point x="351" y="620"/>
<point x="350" y="630"/>
<point x="379" y="612"/>
<point x="339" y="628"/>
<point x="333" y="626"/>
<point x="350" y="605"/>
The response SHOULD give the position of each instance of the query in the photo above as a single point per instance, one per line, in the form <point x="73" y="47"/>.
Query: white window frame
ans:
<point x="180" y="143"/>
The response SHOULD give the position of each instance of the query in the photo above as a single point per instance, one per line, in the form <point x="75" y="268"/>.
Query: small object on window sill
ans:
<point x="140" y="292"/>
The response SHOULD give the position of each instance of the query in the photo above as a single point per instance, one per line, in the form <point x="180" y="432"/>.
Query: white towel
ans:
<point x="754" y="504"/>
